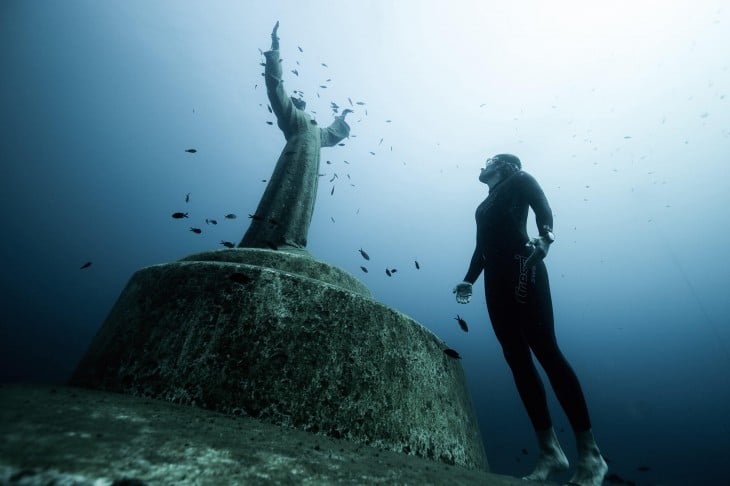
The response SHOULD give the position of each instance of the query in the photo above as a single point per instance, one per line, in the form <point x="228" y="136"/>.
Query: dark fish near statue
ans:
<point x="451" y="353"/>
<point x="179" y="215"/>
<point x="462" y="323"/>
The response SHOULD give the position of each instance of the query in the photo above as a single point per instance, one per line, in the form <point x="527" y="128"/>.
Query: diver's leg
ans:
<point x="551" y="458"/>
<point x="540" y="333"/>
<point x="591" y="467"/>
<point x="504" y="313"/>
<point x="517" y="354"/>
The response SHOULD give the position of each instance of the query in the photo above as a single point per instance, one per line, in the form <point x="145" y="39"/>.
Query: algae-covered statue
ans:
<point x="285" y="211"/>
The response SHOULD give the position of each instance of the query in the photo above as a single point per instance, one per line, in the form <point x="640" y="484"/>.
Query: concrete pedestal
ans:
<point x="290" y="340"/>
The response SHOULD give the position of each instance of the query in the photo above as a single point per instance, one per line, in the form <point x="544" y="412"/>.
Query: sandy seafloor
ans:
<point x="71" y="436"/>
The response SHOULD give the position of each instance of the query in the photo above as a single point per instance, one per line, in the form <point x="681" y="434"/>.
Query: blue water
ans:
<point x="620" y="112"/>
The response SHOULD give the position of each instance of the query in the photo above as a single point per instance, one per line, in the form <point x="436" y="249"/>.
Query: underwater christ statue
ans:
<point x="285" y="211"/>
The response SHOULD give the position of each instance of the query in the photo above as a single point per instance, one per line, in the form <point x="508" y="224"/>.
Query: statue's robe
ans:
<point x="283" y="216"/>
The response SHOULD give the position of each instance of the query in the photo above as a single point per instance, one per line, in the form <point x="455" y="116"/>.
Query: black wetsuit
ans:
<point x="518" y="299"/>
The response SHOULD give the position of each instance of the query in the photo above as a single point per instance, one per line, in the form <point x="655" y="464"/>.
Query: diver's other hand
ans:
<point x="275" y="37"/>
<point x="463" y="292"/>
<point x="540" y="247"/>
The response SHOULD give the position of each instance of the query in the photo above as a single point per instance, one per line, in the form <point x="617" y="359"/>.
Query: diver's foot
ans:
<point x="548" y="463"/>
<point x="590" y="471"/>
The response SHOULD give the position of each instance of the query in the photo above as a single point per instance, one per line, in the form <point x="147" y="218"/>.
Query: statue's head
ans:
<point x="299" y="103"/>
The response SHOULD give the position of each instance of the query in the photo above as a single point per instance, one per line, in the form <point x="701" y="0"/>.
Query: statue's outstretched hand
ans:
<point x="540" y="247"/>
<point x="275" y="37"/>
<point x="463" y="292"/>
<point x="345" y="112"/>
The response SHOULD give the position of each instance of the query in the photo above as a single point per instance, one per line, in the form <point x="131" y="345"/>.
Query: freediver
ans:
<point x="520" y="309"/>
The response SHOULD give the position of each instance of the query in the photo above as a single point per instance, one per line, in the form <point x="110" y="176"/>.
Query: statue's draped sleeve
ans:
<point x="336" y="132"/>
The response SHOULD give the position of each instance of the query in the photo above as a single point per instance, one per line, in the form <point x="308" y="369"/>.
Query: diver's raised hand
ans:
<point x="540" y="247"/>
<point x="275" y="38"/>
<point x="463" y="292"/>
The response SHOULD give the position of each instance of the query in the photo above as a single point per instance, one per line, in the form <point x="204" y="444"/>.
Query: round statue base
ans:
<point x="280" y="344"/>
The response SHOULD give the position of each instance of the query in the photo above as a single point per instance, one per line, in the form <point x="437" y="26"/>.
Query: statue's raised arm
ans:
<point x="275" y="37"/>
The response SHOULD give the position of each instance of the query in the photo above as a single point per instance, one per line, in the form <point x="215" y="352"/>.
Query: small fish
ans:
<point x="452" y="353"/>
<point x="230" y="216"/>
<point x="329" y="162"/>
<point x="341" y="144"/>
<point x="296" y="73"/>
<point x="417" y="265"/>
<point x="300" y="49"/>
<point x="372" y="153"/>
<point x="381" y="141"/>
<point x="269" y="107"/>
<point x="360" y="103"/>
<point x="197" y="231"/>
<point x="187" y="197"/>
<point x="332" y="191"/>
<point x="240" y="278"/>
<point x="333" y="219"/>
<point x="393" y="270"/>
<point x="255" y="217"/>
<point x="364" y="254"/>
<point x="462" y="323"/>
<point x="363" y="269"/>
<point x="227" y="244"/>
<point x="322" y="86"/>
<point x="323" y="64"/>
<point x="269" y="123"/>
<point x="211" y="221"/>
<point x="387" y="272"/>
<point x="387" y="121"/>
<point x="85" y="265"/>
<point x="191" y="151"/>
<point x="333" y="177"/>
<point x="179" y="215"/>
<point x="627" y="136"/>
<point x="348" y="99"/>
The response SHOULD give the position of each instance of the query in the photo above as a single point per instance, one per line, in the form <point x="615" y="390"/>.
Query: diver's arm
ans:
<point x="475" y="266"/>
<point x="544" y="219"/>
<point x="463" y="290"/>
